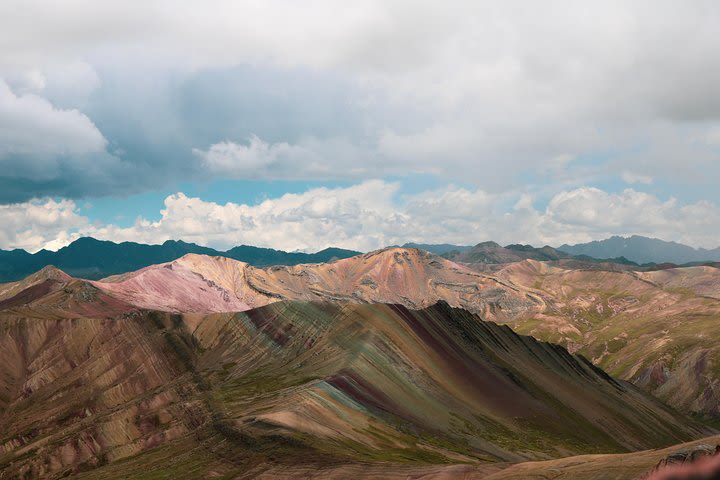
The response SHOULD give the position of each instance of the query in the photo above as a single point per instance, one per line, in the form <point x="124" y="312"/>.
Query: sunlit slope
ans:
<point x="414" y="278"/>
<point x="145" y="394"/>
<point x="43" y="280"/>
<point x="660" y="330"/>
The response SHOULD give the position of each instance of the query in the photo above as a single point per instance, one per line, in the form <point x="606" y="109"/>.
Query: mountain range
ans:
<point x="94" y="259"/>
<point x="611" y="317"/>
<point x="492" y="362"/>
<point x="634" y="250"/>
<point x="378" y="365"/>
<point x="99" y="382"/>
<point x="493" y="254"/>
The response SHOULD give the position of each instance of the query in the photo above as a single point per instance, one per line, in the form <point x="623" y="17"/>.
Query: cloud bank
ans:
<point x="373" y="214"/>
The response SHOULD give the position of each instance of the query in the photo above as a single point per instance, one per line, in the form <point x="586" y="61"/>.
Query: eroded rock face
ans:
<point x="701" y="462"/>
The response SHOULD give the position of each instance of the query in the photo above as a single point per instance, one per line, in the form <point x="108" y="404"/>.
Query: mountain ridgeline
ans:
<point x="94" y="259"/>
<point x="494" y="254"/>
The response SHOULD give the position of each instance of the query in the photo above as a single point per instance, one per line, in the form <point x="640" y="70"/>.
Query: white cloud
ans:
<point x="360" y="216"/>
<point x="712" y="137"/>
<point x="69" y="85"/>
<point x="598" y="211"/>
<point x="496" y="95"/>
<point x="525" y="202"/>
<point x="587" y="213"/>
<point x="631" y="178"/>
<point x="38" y="139"/>
<point x="39" y="224"/>
<point x="309" y="159"/>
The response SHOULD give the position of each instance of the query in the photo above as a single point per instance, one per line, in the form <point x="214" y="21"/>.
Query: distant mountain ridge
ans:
<point x="438" y="248"/>
<point x="643" y="250"/>
<point x="492" y="253"/>
<point x="94" y="259"/>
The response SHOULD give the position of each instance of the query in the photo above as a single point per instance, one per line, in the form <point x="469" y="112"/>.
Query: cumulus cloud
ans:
<point x="67" y="85"/>
<point x="589" y="213"/>
<point x="361" y="216"/>
<point x="712" y="137"/>
<point x="374" y="214"/>
<point x="39" y="224"/>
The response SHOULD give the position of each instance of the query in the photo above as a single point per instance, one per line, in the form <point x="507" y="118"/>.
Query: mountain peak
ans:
<point x="84" y="241"/>
<point x="50" y="272"/>
<point x="488" y="244"/>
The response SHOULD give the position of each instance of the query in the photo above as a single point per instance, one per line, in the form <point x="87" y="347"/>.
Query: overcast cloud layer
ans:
<point x="609" y="106"/>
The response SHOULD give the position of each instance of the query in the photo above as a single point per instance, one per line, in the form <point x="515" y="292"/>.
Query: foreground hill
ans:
<point x="635" y="466"/>
<point x="94" y="259"/>
<point x="91" y="384"/>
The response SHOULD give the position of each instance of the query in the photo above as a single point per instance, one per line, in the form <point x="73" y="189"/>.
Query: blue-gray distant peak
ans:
<point x="643" y="250"/>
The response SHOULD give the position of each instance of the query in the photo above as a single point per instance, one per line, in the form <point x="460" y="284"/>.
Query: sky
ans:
<point x="304" y="125"/>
